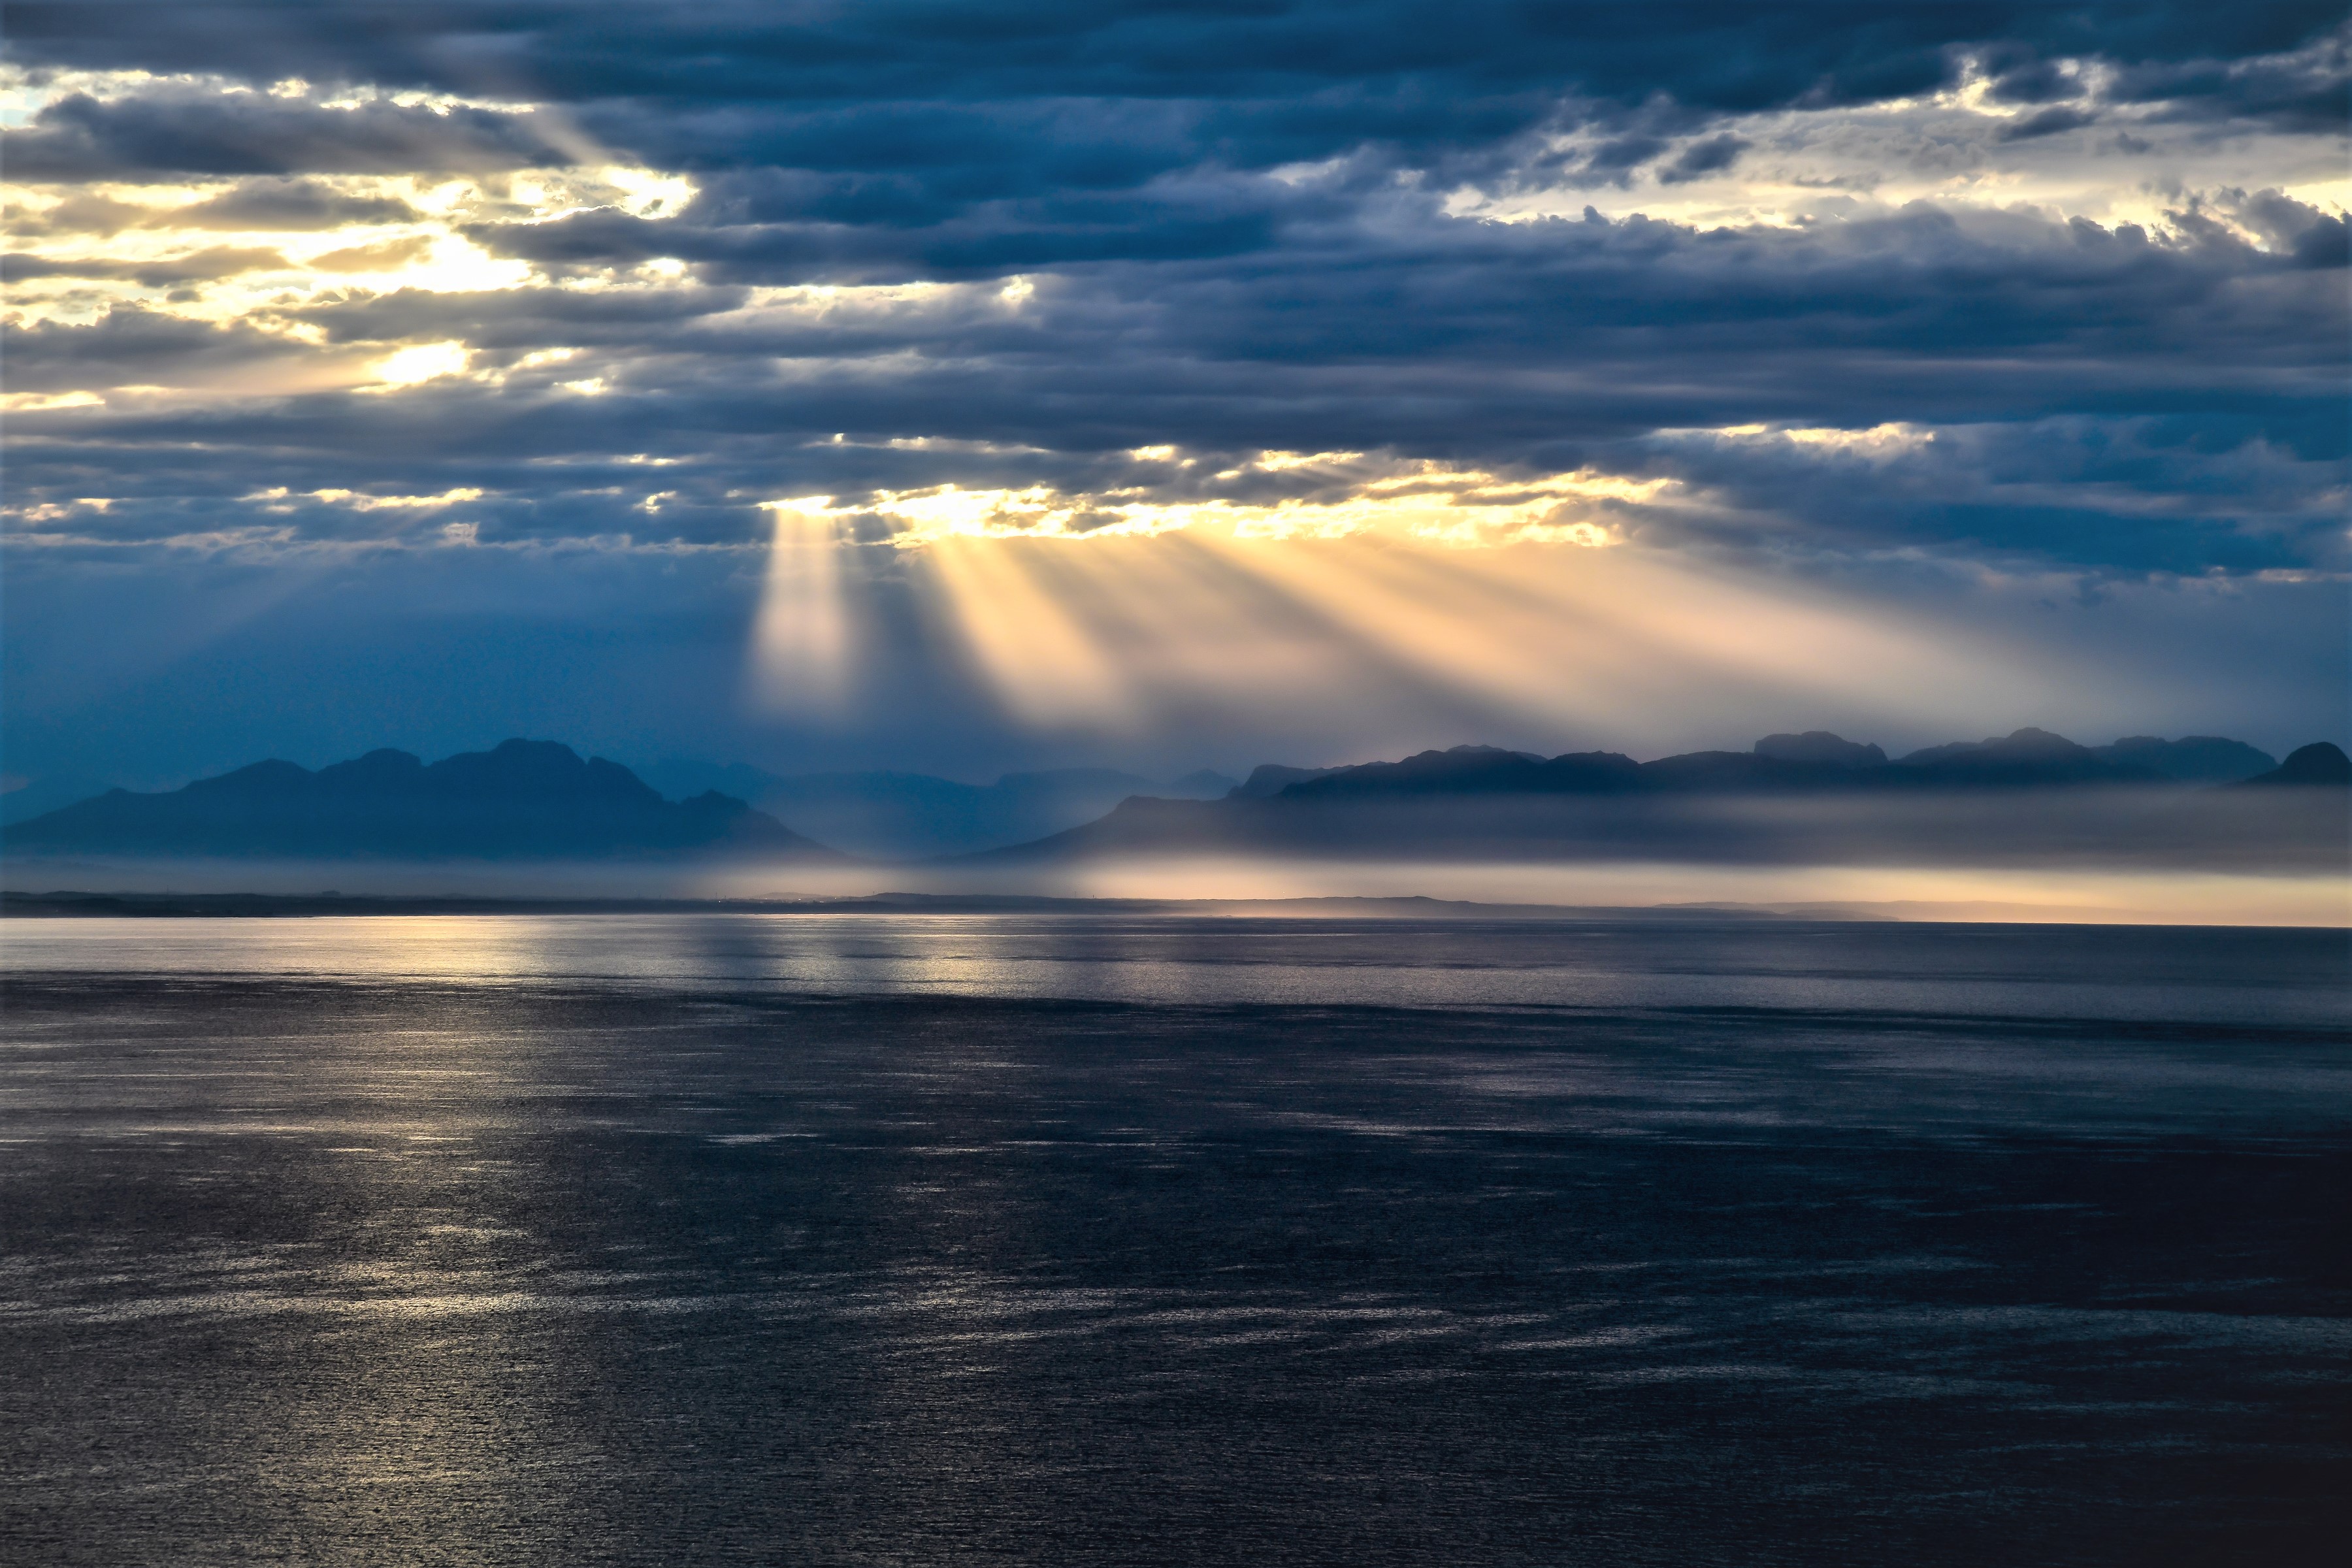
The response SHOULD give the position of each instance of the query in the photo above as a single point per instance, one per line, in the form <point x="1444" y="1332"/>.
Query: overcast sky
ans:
<point x="972" y="386"/>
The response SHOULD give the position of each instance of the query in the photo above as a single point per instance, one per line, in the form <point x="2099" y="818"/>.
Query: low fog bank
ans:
<point x="2079" y="895"/>
<point x="502" y="878"/>
<point x="2272" y="857"/>
<point x="2270" y="832"/>
<point x="1210" y="885"/>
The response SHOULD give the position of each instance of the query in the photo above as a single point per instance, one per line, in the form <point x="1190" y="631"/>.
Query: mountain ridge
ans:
<point x="894" y="815"/>
<point x="2321" y="764"/>
<point x="1814" y="761"/>
<point x="538" y="799"/>
<point x="2028" y="797"/>
<point x="521" y="800"/>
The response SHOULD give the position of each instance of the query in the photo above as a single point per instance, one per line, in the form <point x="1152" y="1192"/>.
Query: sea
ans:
<point x="932" y="1239"/>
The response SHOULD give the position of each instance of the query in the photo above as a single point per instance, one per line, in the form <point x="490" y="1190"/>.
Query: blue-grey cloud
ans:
<point x="1718" y="53"/>
<point x="1553" y="342"/>
<point x="288" y="205"/>
<point x="189" y="133"/>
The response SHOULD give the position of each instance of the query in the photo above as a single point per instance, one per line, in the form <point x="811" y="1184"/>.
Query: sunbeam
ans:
<point x="1115" y="631"/>
<point x="801" y="637"/>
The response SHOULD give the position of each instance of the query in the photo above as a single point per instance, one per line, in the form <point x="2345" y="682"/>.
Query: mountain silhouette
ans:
<point x="1474" y="770"/>
<point x="2023" y="757"/>
<point x="906" y="815"/>
<point x="1273" y="778"/>
<point x="1816" y="761"/>
<point x="29" y="798"/>
<point x="521" y="800"/>
<point x="2031" y="796"/>
<point x="540" y="800"/>
<point x="2192" y="759"/>
<point x="2320" y="763"/>
<point x="1820" y="746"/>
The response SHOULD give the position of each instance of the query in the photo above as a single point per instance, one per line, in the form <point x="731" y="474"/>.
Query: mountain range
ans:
<point x="2029" y="797"/>
<point x="521" y="800"/>
<point x="540" y="800"/>
<point x="1815" y="760"/>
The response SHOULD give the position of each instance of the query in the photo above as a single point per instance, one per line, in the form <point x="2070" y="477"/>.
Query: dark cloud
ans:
<point x="2313" y="238"/>
<point x="915" y="110"/>
<point x="186" y="132"/>
<point x="82" y="212"/>
<point x="1716" y="54"/>
<point x="2149" y="493"/>
<point x="2050" y="122"/>
<point x="217" y="261"/>
<point x="1708" y="155"/>
<point x="985" y="243"/>
<point x="134" y="346"/>
<point x="2299" y="89"/>
<point x="519" y="318"/>
<point x="287" y="205"/>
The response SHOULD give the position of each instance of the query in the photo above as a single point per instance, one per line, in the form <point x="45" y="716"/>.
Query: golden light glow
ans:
<point x="256" y="254"/>
<point x="1109" y="612"/>
<point x="801" y="638"/>
<point x="279" y="499"/>
<point x="421" y="361"/>
<point x="1879" y="442"/>
<point x="1922" y="892"/>
<point x="1469" y="508"/>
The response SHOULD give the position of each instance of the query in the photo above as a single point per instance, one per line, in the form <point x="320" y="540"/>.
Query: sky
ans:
<point x="965" y="387"/>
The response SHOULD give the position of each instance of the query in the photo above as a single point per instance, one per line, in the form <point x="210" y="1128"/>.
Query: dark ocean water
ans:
<point x="878" y="1240"/>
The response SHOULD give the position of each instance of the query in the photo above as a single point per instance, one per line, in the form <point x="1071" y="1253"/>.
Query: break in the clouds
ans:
<point x="1102" y="370"/>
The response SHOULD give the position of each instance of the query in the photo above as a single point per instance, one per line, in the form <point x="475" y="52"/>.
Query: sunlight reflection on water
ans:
<point x="562" y="1240"/>
<point x="1980" y="970"/>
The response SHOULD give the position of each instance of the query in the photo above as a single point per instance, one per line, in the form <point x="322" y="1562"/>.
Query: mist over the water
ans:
<point x="2208" y="856"/>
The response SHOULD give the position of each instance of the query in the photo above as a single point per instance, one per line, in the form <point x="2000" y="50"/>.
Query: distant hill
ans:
<point x="1814" y="762"/>
<point x="522" y="799"/>
<point x="1475" y="770"/>
<point x="1820" y="746"/>
<point x="2319" y="764"/>
<point x="26" y="798"/>
<point x="2192" y="759"/>
<point x="2031" y="758"/>
<point x="2032" y="796"/>
<point x="539" y="800"/>
<point x="1273" y="778"/>
<point x="900" y="815"/>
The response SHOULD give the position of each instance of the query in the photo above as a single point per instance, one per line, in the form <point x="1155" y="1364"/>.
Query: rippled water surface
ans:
<point x="929" y="1240"/>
